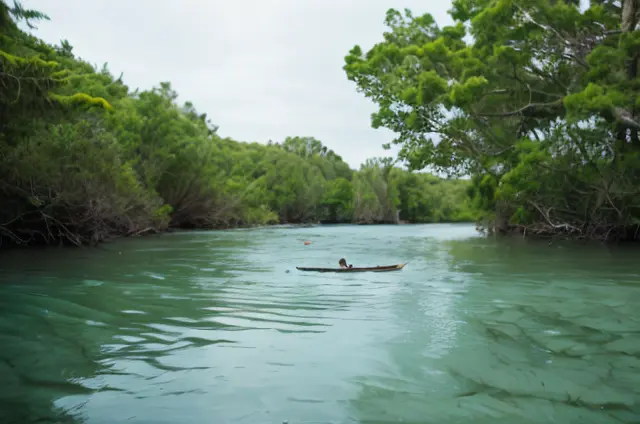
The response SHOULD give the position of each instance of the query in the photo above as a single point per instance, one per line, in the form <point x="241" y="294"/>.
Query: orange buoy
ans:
<point x="307" y="242"/>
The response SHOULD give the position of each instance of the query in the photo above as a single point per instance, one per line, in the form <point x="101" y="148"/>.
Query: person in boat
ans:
<point x="343" y="263"/>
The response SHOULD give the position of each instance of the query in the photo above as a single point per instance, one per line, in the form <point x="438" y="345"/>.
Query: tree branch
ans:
<point x="521" y="110"/>
<point x="625" y="117"/>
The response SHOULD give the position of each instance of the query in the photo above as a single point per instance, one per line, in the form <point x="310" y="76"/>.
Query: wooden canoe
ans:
<point x="386" y="268"/>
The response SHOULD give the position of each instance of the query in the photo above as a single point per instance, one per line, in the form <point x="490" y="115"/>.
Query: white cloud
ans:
<point x="260" y="69"/>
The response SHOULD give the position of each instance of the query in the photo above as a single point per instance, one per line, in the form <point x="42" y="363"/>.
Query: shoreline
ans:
<point x="514" y="231"/>
<point x="147" y="232"/>
<point x="542" y="232"/>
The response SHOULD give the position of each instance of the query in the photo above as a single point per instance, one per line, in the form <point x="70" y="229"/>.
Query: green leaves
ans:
<point x="594" y="99"/>
<point x="464" y="94"/>
<point x="34" y="82"/>
<point x="20" y="13"/>
<point x="83" y="159"/>
<point x="431" y="87"/>
<point x="541" y="90"/>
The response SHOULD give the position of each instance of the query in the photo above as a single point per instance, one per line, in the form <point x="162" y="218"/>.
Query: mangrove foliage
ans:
<point x="537" y="101"/>
<point x="84" y="158"/>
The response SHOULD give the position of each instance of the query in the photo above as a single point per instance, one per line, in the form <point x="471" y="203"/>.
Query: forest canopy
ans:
<point x="84" y="158"/>
<point x="536" y="100"/>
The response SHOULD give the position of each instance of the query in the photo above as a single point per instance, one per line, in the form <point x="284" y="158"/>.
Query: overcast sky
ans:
<point x="260" y="69"/>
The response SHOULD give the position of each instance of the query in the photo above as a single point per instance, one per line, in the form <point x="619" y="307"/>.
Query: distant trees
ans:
<point x="83" y="159"/>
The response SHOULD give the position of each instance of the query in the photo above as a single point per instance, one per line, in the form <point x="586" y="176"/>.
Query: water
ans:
<point x="219" y="327"/>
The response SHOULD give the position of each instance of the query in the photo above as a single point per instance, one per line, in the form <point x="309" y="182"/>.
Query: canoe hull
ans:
<point x="387" y="268"/>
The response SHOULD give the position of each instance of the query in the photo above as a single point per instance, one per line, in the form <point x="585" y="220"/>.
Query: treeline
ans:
<point x="536" y="100"/>
<point x="83" y="158"/>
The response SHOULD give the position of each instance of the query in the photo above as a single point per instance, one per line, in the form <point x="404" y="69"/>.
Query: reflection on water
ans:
<point x="220" y="327"/>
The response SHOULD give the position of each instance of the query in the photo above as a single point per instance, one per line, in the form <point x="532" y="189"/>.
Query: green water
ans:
<point x="219" y="327"/>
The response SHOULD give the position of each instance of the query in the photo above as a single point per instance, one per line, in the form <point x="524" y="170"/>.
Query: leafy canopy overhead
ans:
<point x="515" y="90"/>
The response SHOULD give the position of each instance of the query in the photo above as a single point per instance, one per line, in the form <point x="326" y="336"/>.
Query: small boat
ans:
<point x="386" y="268"/>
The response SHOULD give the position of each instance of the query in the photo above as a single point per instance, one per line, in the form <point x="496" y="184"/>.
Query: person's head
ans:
<point x="342" y="262"/>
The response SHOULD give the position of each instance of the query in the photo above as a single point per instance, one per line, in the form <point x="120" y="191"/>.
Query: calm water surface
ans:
<point x="219" y="327"/>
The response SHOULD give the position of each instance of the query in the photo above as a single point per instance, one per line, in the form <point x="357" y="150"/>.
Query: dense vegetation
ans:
<point x="84" y="158"/>
<point x="536" y="100"/>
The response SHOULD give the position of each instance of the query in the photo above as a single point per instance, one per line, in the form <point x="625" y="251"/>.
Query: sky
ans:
<point x="261" y="70"/>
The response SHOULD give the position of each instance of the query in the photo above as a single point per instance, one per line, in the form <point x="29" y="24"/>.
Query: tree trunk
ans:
<point x="630" y="11"/>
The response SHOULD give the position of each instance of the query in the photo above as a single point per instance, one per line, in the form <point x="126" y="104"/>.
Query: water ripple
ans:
<point x="219" y="327"/>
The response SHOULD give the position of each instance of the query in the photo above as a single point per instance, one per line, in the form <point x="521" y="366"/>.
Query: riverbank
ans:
<point x="155" y="231"/>
<point x="542" y="234"/>
<point x="544" y="231"/>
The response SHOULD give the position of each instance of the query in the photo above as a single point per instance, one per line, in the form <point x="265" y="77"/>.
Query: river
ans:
<point x="219" y="327"/>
